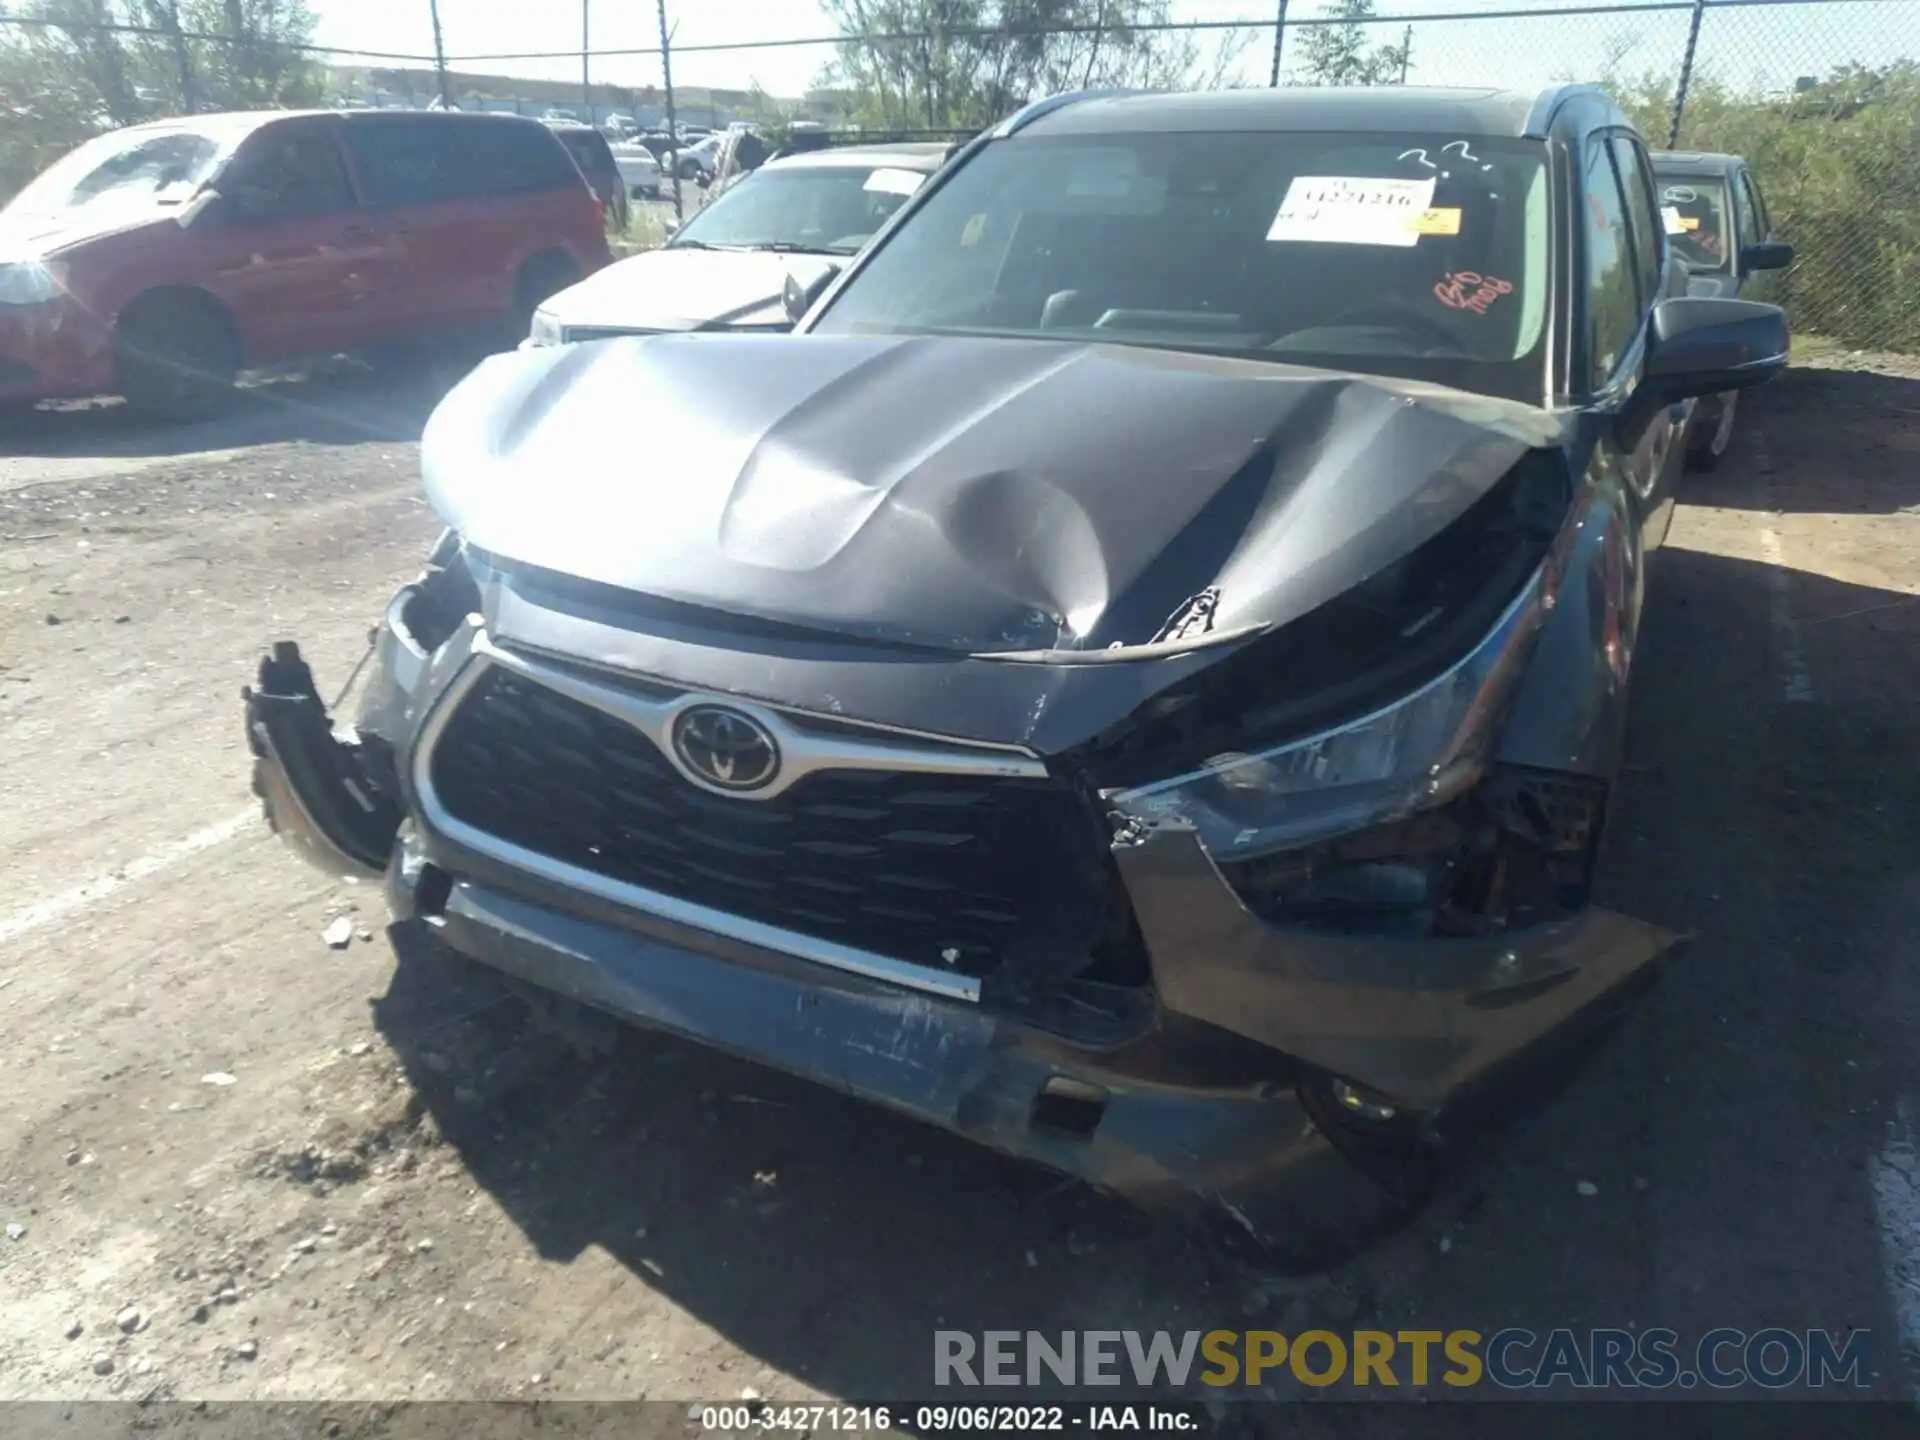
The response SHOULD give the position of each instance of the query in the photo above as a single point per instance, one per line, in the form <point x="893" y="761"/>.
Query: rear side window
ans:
<point x="398" y="160"/>
<point x="589" y="151"/>
<point x="506" y="158"/>
<point x="414" y="161"/>
<point x="1613" y="304"/>
<point x="1636" y="182"/>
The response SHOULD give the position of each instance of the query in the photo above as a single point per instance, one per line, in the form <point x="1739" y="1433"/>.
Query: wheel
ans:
<point x="177" y="357"/>
<point x="1707" y="455"/>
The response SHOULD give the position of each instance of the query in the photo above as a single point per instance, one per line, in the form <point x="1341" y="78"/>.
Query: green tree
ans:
<point x="1839" y="164"/>
<point x="1338" y="54"/>
<point x="73" y="76"/>
<point x="938" y="64"/>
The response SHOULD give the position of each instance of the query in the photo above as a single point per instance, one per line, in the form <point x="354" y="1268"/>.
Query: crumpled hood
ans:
<point x="975" y="495"/>
<point x="686" y="289"/>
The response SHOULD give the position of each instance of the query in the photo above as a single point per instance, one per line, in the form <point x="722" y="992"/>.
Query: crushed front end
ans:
<point x="1249" y="986"/>
<point x="1228" y="840"/>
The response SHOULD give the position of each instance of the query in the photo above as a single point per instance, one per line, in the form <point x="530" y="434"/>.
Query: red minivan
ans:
<point x="159" y="260"/>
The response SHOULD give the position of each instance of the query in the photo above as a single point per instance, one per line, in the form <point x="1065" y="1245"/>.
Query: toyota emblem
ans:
<point x="724" y="748"/>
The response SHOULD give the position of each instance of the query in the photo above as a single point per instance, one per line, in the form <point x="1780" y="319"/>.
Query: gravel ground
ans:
<point x="239" y="1163"/>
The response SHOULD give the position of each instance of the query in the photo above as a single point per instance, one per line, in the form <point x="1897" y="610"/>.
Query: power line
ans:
<point x="988" y="32"/>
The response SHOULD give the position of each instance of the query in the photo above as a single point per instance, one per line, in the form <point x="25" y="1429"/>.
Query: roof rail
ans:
<point x="1027" y="114"/>
<point x="1549" y="100"/>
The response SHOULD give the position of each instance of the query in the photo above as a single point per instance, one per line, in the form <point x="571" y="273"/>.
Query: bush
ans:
<point x="1839" y="164"/>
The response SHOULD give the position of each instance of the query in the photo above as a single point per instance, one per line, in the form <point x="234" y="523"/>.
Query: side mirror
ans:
<point x="1766" y="255"/>
<point x="1700" y="347"/>
<point x="670" y="229"/>
<point x="797" y="297"/>
<point x="702" y="179"/>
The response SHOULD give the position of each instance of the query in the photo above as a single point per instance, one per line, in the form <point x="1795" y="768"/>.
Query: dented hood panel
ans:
<point x="965" y="495"/>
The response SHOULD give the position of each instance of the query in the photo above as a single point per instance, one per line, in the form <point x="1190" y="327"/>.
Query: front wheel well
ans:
<point x="162" y="297"/>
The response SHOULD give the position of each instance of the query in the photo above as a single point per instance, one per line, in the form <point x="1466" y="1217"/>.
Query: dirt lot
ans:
<point x="316" y="1173"/>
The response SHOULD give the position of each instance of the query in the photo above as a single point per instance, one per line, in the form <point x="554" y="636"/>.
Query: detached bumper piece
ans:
<point x="327" y="795"/>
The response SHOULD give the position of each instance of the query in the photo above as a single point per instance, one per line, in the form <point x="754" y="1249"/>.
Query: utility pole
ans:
<point x="1686" y="74"/>
<point x="666" y="76"/>
<point x="1279" y="39"/>
<point x="1406" y="53"/>
<point x="586" y="80"/>
<point x="439" y="53"/>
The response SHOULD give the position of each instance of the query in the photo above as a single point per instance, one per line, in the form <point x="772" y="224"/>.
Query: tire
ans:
<point x="177" y="357"/>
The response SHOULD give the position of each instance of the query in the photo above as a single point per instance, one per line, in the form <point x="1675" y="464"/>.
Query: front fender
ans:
<point x="1570" y="711"/>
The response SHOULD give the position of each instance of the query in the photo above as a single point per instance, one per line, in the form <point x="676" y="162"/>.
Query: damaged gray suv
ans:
<point x="1137" y="679"/>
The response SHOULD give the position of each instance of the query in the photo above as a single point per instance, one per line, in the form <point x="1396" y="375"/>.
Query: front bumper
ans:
<point x="1160" y="1141"/>
<point x="1219" y="1092"/>
<point x="52" y="351"/>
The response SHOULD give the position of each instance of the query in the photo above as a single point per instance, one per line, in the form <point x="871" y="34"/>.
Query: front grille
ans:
<point x="960" y="873"/>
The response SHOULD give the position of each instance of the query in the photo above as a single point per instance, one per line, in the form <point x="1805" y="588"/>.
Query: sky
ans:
<point x="1765" y="45"/>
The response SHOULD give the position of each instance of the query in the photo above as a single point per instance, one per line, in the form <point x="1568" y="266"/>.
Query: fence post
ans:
<point x="666" y="78"/>
<point x="439" y="52"/>
<point x="1686" y="74"/>
<point x="189" y="99"/>
<point x="1279" y="39"/>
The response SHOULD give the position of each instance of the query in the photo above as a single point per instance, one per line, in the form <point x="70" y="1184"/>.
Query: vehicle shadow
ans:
<point x="341" y="401"/>
<point x="1736" y="1128"/>
<point x="1821" y="441"/>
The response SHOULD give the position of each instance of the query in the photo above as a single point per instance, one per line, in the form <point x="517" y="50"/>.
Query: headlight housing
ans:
<point x="1381" y="702"/>
<point x="1415" y="753"/>
<point x="546" y="329"/>
<point x="31" y="282"/>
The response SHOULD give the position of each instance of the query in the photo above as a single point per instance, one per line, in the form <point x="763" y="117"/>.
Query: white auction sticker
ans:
<point x="1670" y="219"/>
<point x="894" y="182"/>
<point x="1352" y="210"/>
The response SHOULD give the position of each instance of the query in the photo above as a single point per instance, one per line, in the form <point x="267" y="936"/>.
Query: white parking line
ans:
<point x="45" y="912"/>
<point x="1798" y="681"/>
<point x="1896" y="1196"/>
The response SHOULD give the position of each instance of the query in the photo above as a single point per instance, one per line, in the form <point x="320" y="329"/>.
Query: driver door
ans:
<point x="297" y="260"/>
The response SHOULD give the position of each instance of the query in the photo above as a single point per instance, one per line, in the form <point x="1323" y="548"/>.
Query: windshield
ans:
<point x="1695" y="212"/>
<point x="830" y="209"/>
<point x="165" y="166"/>
<point x="1423" y="256"/>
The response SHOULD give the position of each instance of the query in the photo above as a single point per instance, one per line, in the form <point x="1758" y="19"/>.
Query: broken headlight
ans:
<point x="431" y="608"/>
<point x="545" y="329"/>
<point x="1411" y="755"/>
<point x="1516" y="850"/>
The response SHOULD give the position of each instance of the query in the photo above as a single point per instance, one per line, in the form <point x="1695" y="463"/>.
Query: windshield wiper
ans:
<point x="787" y="247"/>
